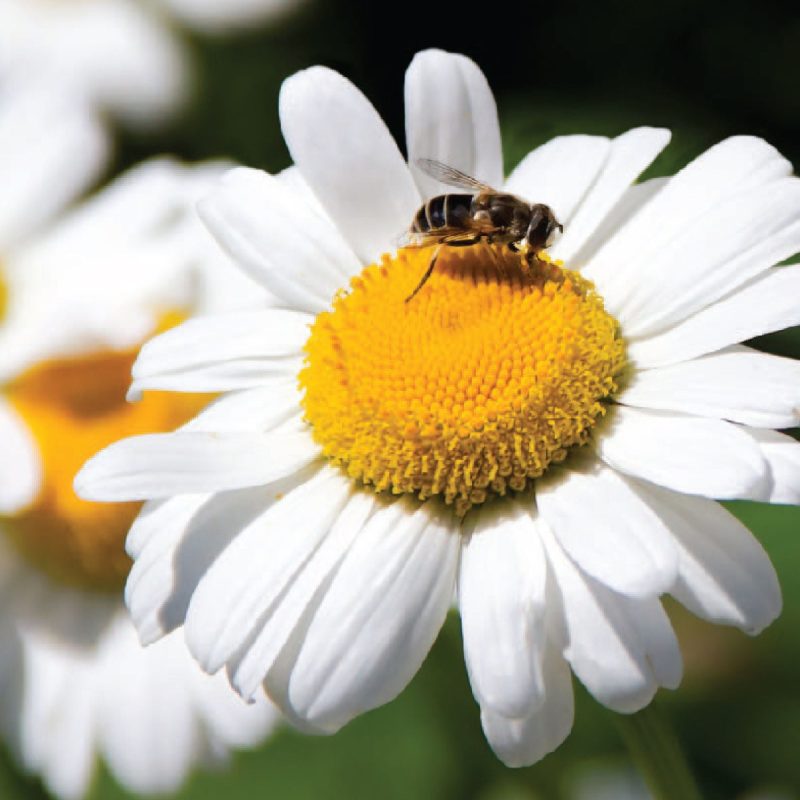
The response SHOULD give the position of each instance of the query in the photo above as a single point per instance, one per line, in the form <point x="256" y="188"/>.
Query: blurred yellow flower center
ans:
<point x="3" y="295"/>
<point x="74" y="407"/>
<point x="491" y="373"/>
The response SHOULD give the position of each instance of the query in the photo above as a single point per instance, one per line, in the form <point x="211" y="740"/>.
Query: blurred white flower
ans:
<point x="78" y="299"/>
<point x="51" y="148"/>
<point x="123" y="55"/>
<point x="607" y="782"/>
<point x="217" y="16"/>
<point x="328" y="589"/>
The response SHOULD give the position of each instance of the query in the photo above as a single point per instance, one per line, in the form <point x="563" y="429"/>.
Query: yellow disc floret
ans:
<point x="491" y="373"/>
<point x="74" y="407"/>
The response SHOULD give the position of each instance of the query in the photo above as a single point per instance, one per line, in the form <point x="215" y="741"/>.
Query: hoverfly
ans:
<point x="483" y="214"/>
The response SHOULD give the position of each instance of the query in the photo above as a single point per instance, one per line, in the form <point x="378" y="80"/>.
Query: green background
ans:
<point x="704" y="69"/>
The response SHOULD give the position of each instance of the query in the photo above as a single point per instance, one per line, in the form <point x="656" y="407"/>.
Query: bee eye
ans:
<point x="554" y="231"/>
<point x="540" y="228"/>
<point x="543" y="227"/>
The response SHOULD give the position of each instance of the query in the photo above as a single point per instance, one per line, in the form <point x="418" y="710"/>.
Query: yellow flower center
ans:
<point x="3" y="295"/>
<point x="472" y="388"/>
<point x="74" y="407"/>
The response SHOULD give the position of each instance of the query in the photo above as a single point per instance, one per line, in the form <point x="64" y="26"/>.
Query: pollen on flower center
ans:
<point x="491" y="373"/>
<point x="74" y="407"/>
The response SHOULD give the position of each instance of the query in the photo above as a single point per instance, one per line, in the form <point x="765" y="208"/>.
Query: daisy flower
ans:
<point x="547" y="444"/>
<point x="54" y="135"/>
<point x="79" y="299"/>
<point x="124" y="55"/>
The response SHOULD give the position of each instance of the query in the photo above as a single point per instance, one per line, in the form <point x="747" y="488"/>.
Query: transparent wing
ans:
<point x="440" y="236"/>
<point x="450" y="175"/>
<point x="411" y="239"/>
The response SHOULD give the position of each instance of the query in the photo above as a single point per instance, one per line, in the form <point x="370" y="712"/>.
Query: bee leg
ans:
<point x="427" y="274"/>
<point x="524" y="253"/>
<point x="450" y="243"/>
<point x="524" y="256"/>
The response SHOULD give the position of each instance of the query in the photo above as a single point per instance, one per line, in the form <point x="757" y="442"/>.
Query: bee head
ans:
<point x="542" y="227"/>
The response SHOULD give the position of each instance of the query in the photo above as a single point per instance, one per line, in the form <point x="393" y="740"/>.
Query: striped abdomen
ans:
<point x="443" y="211"/>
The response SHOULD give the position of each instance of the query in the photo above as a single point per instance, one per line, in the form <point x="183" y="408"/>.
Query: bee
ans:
<point x="481" y="215"/>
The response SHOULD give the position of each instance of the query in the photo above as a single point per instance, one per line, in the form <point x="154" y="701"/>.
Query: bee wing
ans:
<point x="440" y="236"/>
<point x="411" y="239"/>
<point x="451" y="176"/>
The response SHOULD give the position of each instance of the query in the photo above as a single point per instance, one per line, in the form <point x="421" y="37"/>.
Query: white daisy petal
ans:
<point x="159" y="591"/>
<point x="621" y="649"/>
<point x="725" y="576"/>
<point x="56" y="730"/>
<point x="501" y="598"/>
<point x="451" y="117"/>
<point x="711" y="255"/>
<point x="142" y="709"/>
<point x="270" y="230"/>
<point x="261" y="409"/>
<point x="632" y="201"/>
<point x="158" y="515"/>
<point x="168" y="713"/>
<point x="20" y="463"/>
<point x="152" y="540"/>
<point x="378" y="199"/>
<point x="251" y="573"/>
<point x="211" y="16"/>
<point x="366" y="640"/>
<point x="608" y="530"/>
<point x="135" y="207"/>
<point x="223" y="352"/>
<point x="258" y="653"/>
<point x="143" y="73"/>
<point x="737" y="166"/>
<point x="658" y="641"/>
<point x="52" y="133"/>
<point x="688" y="454"/>
<point x="767" y="303"/>
<point x="117" y="53"/>
<point x="782" y="454"/>
<point x="192" y="462"/>
<point x="228" y="720"/>
<point x="293" y="178"/>
<point x="738" y="384"/>
<point x="146" y="726"/>
<point x="524" y="741"/>
<point x="560" y="172"/>
<point x="141" y="224"/>
<point x="630" y="154"/>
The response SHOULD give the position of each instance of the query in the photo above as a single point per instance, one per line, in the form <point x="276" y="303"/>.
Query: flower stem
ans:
<point x="657" y="754"/>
